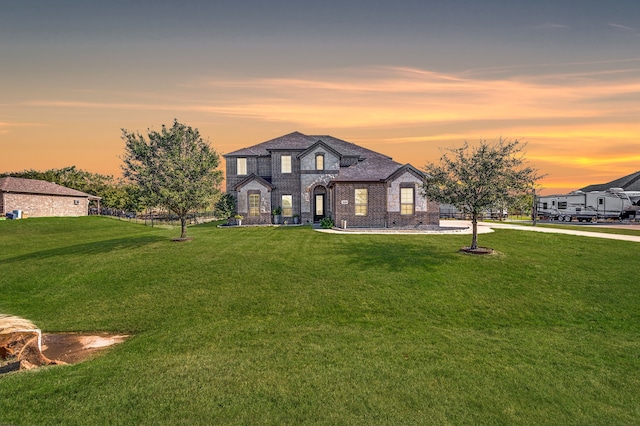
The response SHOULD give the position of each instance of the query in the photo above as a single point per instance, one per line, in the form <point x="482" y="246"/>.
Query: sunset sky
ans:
<point x="405" y="78"/>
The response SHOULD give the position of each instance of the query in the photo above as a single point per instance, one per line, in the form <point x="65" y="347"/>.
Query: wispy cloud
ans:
<point x="393" y="96"/>
<point x="621" y="27"/>
<point x="7" y="127"/>
<point x="576" y="120"/>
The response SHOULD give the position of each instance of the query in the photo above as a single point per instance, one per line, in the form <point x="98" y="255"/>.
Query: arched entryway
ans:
<point x="319" y="202"/>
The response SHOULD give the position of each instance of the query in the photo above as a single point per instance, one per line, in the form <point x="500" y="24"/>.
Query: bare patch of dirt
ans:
<point x="72" y="348"/>
<point x="478" y="250"/>
<point x="22" y="351"/>
<point x="181" y="240"/>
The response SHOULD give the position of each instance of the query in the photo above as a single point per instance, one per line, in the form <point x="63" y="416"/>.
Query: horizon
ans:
<point x="404" y="80"/>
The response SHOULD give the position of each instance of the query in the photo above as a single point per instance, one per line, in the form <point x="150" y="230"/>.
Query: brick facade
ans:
<point x="39" y="198"/>
<point x="344" y="205"/>
<point x="344" y="168"/>
<point x="36" y="205"/>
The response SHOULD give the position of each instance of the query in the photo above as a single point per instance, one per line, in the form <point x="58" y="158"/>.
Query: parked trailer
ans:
<point x="586" y="206"/>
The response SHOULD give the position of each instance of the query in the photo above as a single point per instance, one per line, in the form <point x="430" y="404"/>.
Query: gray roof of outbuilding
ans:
<point x="42" y="187"/>
<point x="371" y="165"/>
<point x="628" y="183"/>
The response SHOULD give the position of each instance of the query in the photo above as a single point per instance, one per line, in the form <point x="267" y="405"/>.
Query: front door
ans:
<point x="318" y="210"/>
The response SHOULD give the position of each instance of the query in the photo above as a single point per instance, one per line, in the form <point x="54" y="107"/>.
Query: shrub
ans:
<point x="326" y="222"/>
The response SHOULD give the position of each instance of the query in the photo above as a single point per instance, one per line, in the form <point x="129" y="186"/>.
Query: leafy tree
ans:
<point x="477" y="179"/>
<point x="122" y="197"/>
<point x="174" y="168"/>
<point x="225" y="206"/>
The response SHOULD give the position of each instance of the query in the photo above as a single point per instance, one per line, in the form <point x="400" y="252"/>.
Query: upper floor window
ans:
<point x="285" y="164"/>
<point x="287" y="205"/>
<point x="362" y="198"/>
<point x="242" y="166"/>
<point x="406" y="200"/>
<point x="254" y="204"/>
<point x="320" y="162"/>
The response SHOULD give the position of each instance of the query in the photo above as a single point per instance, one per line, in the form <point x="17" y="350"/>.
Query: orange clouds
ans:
<point x="582" y="126"/>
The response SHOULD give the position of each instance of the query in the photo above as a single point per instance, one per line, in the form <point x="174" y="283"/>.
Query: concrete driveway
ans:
<point x="464" y="227"/>
<point x="489" y="226"/>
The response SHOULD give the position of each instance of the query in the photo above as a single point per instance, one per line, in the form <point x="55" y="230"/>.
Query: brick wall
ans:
<point x="285" y="183"/>
<point x="344" y="205"/>
<point x="34" y="205"/>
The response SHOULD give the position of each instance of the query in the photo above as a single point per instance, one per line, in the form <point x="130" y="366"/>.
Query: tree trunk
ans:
<point x="474" y="239"/>
<point x="183" y="223"/>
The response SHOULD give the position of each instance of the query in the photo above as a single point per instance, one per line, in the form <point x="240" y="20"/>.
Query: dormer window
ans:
<point x="320" y="162"/>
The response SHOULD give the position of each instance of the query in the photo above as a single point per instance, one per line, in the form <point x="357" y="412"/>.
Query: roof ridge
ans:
<point x="37" y="186"/>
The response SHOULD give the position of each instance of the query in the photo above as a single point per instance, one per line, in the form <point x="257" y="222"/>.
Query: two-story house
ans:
<point x="313" y="177"/>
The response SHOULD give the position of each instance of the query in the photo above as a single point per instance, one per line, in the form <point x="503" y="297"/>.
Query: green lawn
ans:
<point x="292" y="326"/>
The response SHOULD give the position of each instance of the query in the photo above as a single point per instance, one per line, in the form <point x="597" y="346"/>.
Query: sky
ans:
<point x="405" y="78"/>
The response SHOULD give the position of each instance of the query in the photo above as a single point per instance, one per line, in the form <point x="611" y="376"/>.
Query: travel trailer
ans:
<point x="589" y="206"/>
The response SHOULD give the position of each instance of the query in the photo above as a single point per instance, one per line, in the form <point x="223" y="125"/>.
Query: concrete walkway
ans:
<point x="464" y="227"/>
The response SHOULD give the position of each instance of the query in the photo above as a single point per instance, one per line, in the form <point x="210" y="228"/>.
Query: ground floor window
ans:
<point x="287" y="205"/>
<point x="406" y="201"/>
<point x="362" y="198"/>
<point x="254" y="204"/>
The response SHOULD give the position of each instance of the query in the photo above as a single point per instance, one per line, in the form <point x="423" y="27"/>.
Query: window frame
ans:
<point x="288" y="163"/>
<point x="404" y="203"/>
<point x="241" y="166"/>
<point x="285" y="209"/>
<point x="319" y="161"/>
<point x="254" y="211"/>
<point x="361" y="208"/>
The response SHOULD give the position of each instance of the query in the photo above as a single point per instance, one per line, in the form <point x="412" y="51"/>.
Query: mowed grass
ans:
<point x="292" y="326"/>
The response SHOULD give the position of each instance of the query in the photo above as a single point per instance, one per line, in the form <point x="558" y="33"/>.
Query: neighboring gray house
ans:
<point x="313" y="177"/>
<point x="38" y="198"/>
<point x="627" y="183"/>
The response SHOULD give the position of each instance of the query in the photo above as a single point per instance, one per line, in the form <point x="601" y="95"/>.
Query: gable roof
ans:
<point x="253" y="177"/>
<point x="368" y="165"/>
<point x="322" y="144"/>
<point x="292" y="141"/>
<point x="628" y="183"/>
<point x="297" y="141"/>
<point x="41" y="187"/>
<point x="407" y="168"/>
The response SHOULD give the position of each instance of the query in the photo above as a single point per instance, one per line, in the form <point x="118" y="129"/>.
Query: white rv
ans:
<point x="588" y="206"/>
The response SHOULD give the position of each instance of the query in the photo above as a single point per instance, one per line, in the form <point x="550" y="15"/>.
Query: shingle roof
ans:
<point x="34" y="186"/>
<point x="292" y="141"/>
<point x="628" y="183"/>
<point x="372" y="166"/>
